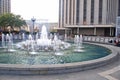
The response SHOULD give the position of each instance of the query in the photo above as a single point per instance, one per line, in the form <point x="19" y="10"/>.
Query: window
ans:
<point x="100" y="11"/>
<point x="119" y="8"/>
<point x="77" y="11"/>
<point x="85" y="12"/>
<point x="92" y="11"/>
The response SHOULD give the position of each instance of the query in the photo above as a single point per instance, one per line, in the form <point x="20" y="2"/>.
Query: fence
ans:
<point x="98" y="39"/>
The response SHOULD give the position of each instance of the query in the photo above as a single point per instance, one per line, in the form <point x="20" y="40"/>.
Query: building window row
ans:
<point x="92" y="11"/>
<point x="77" y="11"/>
<point x="85" y="11"/>
<point x="100" y="11"/>
<point x="119" y="8"/>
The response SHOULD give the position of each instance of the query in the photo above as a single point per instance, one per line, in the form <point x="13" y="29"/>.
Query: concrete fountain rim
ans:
<point x="60" y="68"/>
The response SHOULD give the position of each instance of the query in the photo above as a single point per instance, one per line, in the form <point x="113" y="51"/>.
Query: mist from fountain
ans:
<point x="78" y="40"/>
<point x="28" y="51"/>
<point x="65" y="39"/>
<point x="11" y="40"/>
<point x="36" y="37"/>
<point x="7" y="42"/>
<point x="43" y="43"/>
<point x="3" y="40"/>
<point x="51" y="36"/>
<point x="23" y="36"/>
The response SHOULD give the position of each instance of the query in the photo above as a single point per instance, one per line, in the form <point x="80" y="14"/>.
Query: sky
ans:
<point x="40" y="9"/>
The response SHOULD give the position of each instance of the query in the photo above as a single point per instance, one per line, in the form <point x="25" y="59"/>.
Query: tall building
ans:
<point x="5" y="6"/>
<point x="89" y="17"/>
<point x="119" y="9"/>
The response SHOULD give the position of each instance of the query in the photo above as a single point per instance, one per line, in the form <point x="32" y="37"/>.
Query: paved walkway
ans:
<point x="107" y="72"/>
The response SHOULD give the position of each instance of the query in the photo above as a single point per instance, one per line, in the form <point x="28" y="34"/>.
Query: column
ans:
<point x="81" y="11"/>
<point x="72" y="11"/>
<point x="104" y="12"/>
<point x="95" y="31"/>
<point x="68" y="11"/>
<point x="75" y="12"/>
<point x="110" y="31"/>
<point x="60" y="13"/>
<point x="96" y="11"/>
<point x="88" y="18"/>
<point x="65" y="8"/>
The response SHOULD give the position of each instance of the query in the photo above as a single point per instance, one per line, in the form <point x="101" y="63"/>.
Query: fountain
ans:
<point x="50" y="54"/>
<point x="48" y="49"/>
<point x="3" y="40"/>
<point x="7" y="42"/>
<point x="43" y="43"/>
<point x="23" y="36"/>
<point x="78" y="40"/>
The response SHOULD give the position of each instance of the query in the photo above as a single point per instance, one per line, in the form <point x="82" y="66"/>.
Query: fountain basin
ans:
<point x="89" y="52"/>
<point x="59" y="68"/>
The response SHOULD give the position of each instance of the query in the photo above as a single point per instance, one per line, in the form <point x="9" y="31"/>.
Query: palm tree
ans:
<point x="11" y="20"/>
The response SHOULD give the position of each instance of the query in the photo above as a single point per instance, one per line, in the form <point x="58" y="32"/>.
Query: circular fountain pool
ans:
<point x="44" y="55"/>
<point x="47" y="50"/>
<point x="50" y="57"/>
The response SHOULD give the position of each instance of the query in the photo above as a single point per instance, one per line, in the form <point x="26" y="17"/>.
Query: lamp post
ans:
<point x="33" y="21"/>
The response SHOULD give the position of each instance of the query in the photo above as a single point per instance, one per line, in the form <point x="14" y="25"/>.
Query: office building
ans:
<point x="89" y="17"/>
<point x="5" y="6"/>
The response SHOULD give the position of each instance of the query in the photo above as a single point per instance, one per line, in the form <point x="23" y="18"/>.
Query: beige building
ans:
<point x="88" y="17"/>
<point x="5" y="6"/>
<point x="53" y="27"/>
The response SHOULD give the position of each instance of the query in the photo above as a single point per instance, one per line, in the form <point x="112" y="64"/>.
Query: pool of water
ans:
<point x="65" y="56"/>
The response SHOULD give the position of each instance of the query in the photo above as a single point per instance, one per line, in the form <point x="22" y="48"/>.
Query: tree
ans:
<point x="11" y="20"/>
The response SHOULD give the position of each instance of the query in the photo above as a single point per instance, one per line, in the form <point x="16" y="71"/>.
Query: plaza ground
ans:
<point x="107" y="72"/>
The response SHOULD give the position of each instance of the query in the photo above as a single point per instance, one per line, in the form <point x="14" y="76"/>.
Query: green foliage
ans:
<point x="11" y="20"/>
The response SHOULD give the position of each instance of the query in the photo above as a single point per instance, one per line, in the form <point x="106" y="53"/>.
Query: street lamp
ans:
<point x="33" y="21"/>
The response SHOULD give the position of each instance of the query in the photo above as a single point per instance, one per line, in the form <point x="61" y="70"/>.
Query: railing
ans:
<point x="98" y="39"/>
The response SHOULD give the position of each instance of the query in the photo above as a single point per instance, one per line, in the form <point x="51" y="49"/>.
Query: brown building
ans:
<point x="88" y="17"/>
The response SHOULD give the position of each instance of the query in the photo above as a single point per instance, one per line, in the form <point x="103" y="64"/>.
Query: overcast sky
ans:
<point x="40" y="9"/>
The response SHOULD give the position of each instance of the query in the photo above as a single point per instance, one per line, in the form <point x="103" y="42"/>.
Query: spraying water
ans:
<point x="78" y="40"/>
<point x="43" y="43"/>
<point x="3" y="40"/>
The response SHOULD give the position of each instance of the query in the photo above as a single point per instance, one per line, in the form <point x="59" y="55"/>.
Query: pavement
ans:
<point x="107" y="72"/>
